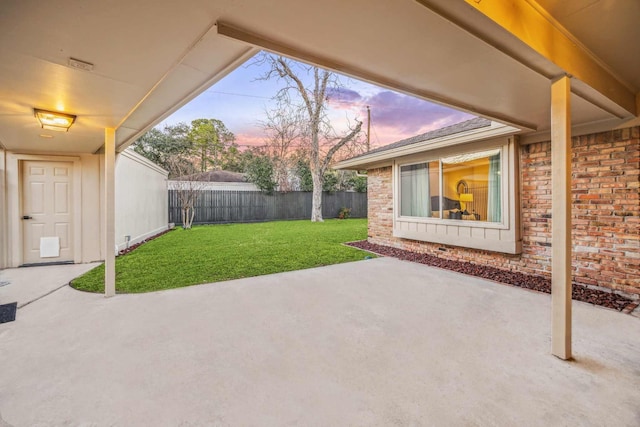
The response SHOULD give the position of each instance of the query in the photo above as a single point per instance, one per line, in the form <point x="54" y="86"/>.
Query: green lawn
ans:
<point x="212" y="253"/>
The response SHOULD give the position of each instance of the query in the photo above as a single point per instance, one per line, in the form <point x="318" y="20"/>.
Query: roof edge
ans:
<point x="495" y="129"/>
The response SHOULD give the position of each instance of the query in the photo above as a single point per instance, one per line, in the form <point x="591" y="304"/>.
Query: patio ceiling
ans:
<point x="152" y="56"/>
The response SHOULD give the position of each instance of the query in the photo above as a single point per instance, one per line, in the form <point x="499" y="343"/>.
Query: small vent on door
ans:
<point x="49" y="247"/>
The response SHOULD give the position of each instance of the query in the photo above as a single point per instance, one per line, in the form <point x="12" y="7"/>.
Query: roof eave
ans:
<point x="380" y="158"/>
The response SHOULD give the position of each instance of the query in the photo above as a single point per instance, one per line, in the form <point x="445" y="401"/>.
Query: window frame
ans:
<point x="504" y="237"/>
<point x="438" y="155"/>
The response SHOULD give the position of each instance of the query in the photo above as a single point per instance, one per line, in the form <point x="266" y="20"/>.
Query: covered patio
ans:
<point x="376" y="342"/>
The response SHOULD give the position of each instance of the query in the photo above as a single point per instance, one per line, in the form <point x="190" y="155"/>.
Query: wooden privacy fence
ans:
<point x="250" y="206"/>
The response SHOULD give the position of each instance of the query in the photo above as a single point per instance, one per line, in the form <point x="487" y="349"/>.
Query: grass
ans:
<point x="213" y="253"/>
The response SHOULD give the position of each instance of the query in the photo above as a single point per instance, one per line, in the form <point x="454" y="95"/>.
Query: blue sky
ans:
<point x="240" y="100"/>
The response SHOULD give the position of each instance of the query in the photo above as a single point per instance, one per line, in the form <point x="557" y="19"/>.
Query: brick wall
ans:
<point x="605" y="213"/>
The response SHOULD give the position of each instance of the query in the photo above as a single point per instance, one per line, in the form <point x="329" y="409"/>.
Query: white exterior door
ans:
<point x="47" y="212"/>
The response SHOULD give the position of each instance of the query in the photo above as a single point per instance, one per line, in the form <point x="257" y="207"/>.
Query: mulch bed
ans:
<point x="536" y="283"/>
<point x="133" y="247"/>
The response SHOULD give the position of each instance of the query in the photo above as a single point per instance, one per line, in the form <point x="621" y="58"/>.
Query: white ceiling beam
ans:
<point x="532" y="25"/>
<point x="175" y="65"/>
<point x="281" y="48"/>
<point x="231" y="66"/>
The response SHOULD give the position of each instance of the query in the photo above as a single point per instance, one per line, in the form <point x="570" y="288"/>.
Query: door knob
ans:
<point x="27" y="217"/>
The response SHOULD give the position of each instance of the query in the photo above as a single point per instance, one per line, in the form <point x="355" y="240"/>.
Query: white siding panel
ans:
<point x="492" y="234"/>
<point x="464" y="232"/>
<point x="141" y="199"/>
<point x="478" y="233"/>
<point x="504" y="245"/>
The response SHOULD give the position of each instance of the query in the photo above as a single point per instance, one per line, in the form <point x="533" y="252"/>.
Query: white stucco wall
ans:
<point x="92" y="200"/>
<point x="141" y="199"/>
<point x="141" y="202"/>
<point x="87" y="201"/>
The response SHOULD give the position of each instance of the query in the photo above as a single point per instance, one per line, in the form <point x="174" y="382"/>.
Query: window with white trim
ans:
<point x="466" y="186"/>
<point x="460" y="195"/>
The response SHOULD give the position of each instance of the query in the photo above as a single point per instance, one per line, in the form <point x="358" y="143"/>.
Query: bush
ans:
<point x="260" y="172"/>
<point x="344" y="213"/>
<point x="304" y="174"/>
<point x="330" y="182"/>
<point x="359" y="183"/>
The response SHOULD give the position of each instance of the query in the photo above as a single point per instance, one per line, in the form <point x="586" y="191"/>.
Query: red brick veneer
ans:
<point x="605" y="213"/>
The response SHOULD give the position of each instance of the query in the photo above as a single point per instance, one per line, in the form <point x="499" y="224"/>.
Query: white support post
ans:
<point x="561" y="217"/>
<point x="109" y="213"/>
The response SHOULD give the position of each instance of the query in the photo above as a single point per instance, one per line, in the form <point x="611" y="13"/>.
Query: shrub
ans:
<point x="330" y="182"/>
<point x="304" y="175"/>
<point x="260" y="172"/>
<point x="344" y="213"/>
<point x="359" y="183"/>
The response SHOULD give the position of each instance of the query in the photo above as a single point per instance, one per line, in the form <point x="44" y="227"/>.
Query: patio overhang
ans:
<point x="145" y="59"/>
<point x="529" y="33"/>
<point x="493" y="59"/>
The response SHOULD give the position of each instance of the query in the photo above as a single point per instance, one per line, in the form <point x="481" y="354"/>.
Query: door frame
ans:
<point x="15" y="199"/>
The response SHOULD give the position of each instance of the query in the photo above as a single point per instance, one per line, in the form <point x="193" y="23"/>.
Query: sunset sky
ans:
<point x="240" y="101"/>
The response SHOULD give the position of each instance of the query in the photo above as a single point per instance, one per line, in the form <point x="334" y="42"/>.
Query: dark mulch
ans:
<point x="536" y="283"/>
<point x="133" y="247"/>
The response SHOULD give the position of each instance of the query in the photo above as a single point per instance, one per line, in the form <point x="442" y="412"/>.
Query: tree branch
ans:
<point x="285" y="71"/>
<point x="327" y="159"/>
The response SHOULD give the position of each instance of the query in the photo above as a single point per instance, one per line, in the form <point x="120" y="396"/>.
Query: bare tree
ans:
<point x="283" y="129"/>
<point x="321" y="140"/>
<point x="188" y="188"/>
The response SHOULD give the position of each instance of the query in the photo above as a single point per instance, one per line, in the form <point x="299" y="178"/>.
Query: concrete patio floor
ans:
<point x="377" y="342"/>
<point x="25" y="285"/>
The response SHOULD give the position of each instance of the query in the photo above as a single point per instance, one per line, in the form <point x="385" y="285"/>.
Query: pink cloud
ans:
<point x="342" y="98"/>
<point x="250" y="138"/>
<point x="410" y="115"/>
<point x="394" y="116"/>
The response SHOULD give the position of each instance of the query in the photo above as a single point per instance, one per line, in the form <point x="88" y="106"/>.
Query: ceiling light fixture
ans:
<point x="80" y="65"/>
<point x="53" y="120"/>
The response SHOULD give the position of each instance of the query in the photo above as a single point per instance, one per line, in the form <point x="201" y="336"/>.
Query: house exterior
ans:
<point x="53" y="206"/>
<point x="553" y="70"/>
<point x="217" y="180"/>
<point x="503" y="192"/>
<point x="141" y="199"/>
